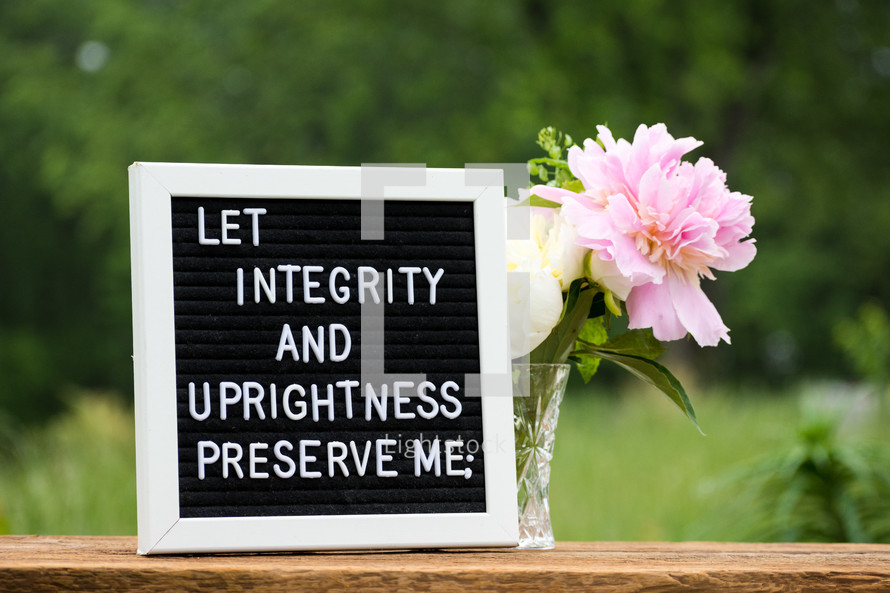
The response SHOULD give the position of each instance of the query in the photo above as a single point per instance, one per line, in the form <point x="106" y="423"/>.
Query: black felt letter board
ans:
<point x="221" y="342"/>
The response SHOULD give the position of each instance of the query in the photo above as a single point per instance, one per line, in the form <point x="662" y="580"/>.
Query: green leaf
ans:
<point x="592" y="332"/>
<point x="541" y="202"/>
<point x="574" y="185"/>
<point x="561" y="341"/>
<point x="637" y="342"/>
<point x="650" y="372"/>
<point x="586" y="365"/>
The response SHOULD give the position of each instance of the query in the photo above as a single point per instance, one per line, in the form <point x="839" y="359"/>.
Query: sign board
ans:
<point x="320" y="358"/>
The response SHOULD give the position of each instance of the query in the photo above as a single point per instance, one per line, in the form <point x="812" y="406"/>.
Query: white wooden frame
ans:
<point x="160" y="528"/>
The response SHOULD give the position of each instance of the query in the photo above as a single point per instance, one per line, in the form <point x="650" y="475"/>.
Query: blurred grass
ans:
<point x="630" y="467"/>
<point x="73" y="476"/>
<point x="627" y="466"/>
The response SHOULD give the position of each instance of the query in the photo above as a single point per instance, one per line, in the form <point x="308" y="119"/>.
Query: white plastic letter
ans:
<point x="427" y="461"/>
<point x="381" y="457"/>
<point x="259" y="282"/>
<point x="333" y="330"/>
<point x="255" y="223"/>
<point x="318" y="402"/>
<point x="288" y="270"/>
<point x="340" y="294"/>
<point x="239" y="289"/>
<point x="311" y="343"/>
<point x="421" y="394"/>
<point x="305" y="458"/>
<point x="372" y="400"/>
<point x="254" y="459"/>
<point x="347" y="385"/>
<point x="398" y="400"/>
<point x="225" y="399"/>
<point x="231" y="456"/>
<point x="291" y="466"/>
<point x="361" y="464"/>
<point x="433" y="280"/>
<point x="447" y="386"/>
<point x="202" y="236"/>
<point x="337" y="458"/>
<point x="203" y="459"/>
<point x="308" y="285"/>
<point x="193" y="412"/>
<point x="255" y="400"/>
<point x="409" y="272"/>
<point x="451" y="457"/>
<point x="227" y="226"/>
<point x="287" y="344"/>
<point x="301" y="405"/>
<point x="368" y="278"/>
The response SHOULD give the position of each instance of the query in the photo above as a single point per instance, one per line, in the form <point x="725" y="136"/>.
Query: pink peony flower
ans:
<point x="664" y="223"/>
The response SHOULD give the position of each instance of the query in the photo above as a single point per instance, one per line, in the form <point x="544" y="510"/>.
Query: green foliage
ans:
<point x="865" y="340"/>
<point x="554" y="168"/>
<point x="819" y="489"/>
<point x="554" y="142"/>
<point x="634" y="351"/>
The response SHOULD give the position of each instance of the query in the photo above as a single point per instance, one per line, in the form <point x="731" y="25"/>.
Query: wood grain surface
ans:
<point x="41" y="563"/>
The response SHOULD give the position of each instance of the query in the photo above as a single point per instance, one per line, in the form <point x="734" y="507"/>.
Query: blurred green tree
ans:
<point x="789" y="98"/>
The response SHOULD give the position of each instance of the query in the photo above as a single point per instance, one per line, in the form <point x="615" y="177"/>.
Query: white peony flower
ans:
<point x="540" y="269"/>
<point x="554" y="238"/>
<point x="535" y="305"/>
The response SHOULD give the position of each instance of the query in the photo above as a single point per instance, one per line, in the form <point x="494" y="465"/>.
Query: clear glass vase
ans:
<point x="537" y="392"/>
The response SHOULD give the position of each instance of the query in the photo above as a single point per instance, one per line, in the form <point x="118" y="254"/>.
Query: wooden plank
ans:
<point x="29" y="563"/>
